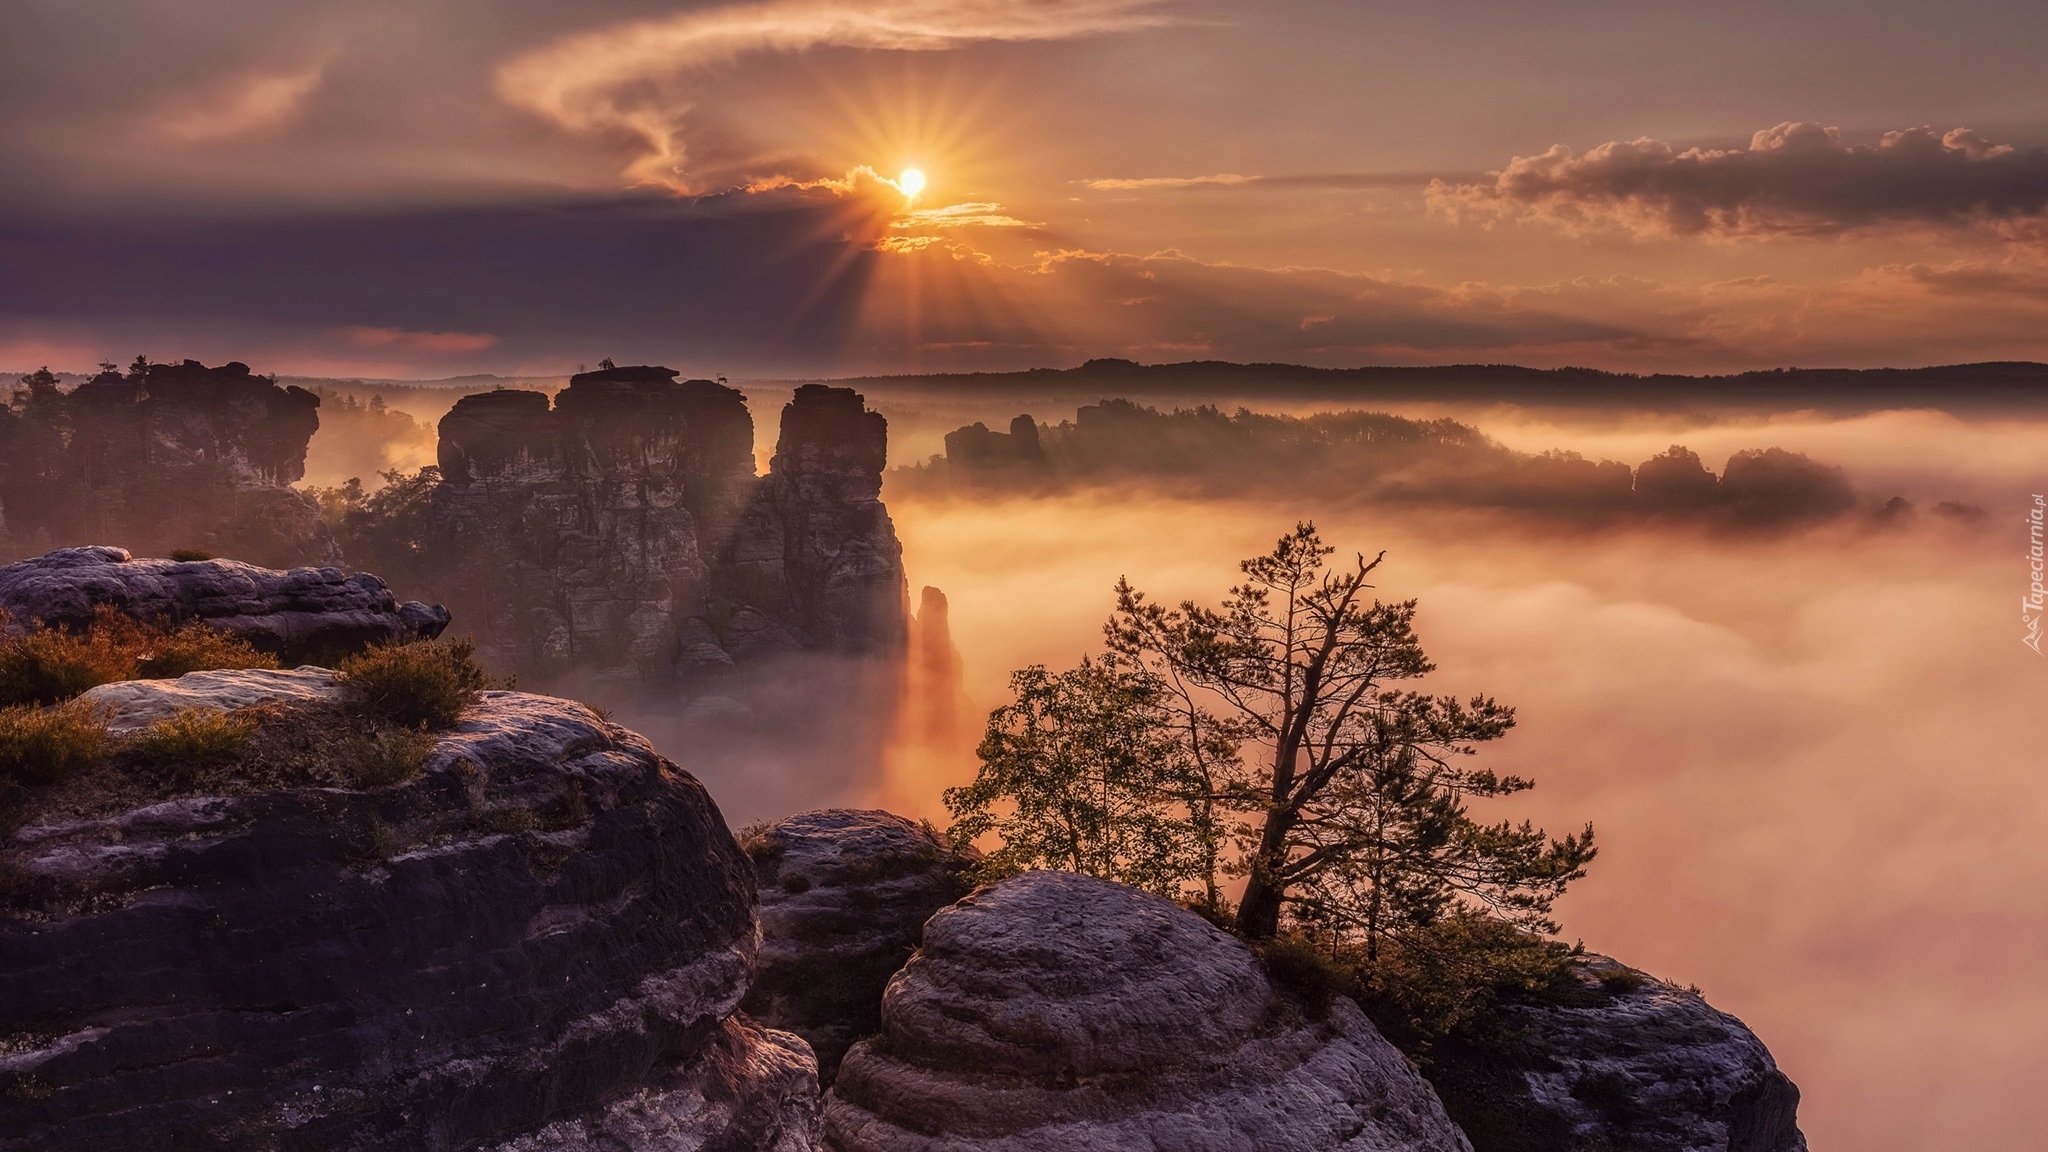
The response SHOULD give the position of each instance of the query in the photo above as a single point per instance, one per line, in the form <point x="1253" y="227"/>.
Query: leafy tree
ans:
<point x="41" y="398"/>
<point x="384" y="531"/>
<point x="1086" y="770"/>
<point x="1357" y="811"/>
<point x="1389" y="847"/>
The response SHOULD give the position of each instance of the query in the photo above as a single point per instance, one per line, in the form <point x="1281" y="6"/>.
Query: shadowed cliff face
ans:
<point x="537" y="941"/>
<point x="177" y="456"/>
<point x="621" y="532"/>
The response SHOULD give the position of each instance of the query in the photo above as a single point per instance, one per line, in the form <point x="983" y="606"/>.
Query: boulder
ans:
<point x="844" y="898"/>
<point x="299" y="614"/>
<point x="538" y="941"/>
<point x="131" y="706"/>
<point x="1618" y="1061"/>
<point x="1060" y="1013"/>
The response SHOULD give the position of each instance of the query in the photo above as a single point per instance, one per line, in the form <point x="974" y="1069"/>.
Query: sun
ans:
<point x="911" y="182"/>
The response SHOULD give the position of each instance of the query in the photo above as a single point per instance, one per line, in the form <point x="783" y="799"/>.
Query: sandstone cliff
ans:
<point x="622" y="530"/>
<point x="295" y="615"/>
<point x="1059" y="1013"/>
<point x="537" y="942"/>
<point x="174" y="456"/>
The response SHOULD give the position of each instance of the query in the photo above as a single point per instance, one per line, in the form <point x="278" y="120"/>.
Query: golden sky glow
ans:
<point x="1158" y="179"/>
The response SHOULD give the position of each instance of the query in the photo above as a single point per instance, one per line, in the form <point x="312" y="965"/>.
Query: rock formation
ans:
<point x="1622" y="1061"/>
<point x="844" y="898"/>
<point x="295" y="615"/>
<point x="622" y="530"/>
<point x="1059" y="1013"/>
<point x="537" y="943"/>
<point x="174" y="456"/>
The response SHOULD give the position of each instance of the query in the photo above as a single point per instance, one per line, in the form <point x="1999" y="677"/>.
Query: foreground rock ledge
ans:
<point x="1059" y="1013"/>
<point x="537" y="943"/>
<point x="294" y="614"/>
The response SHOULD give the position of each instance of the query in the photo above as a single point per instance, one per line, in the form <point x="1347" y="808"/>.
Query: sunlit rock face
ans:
<point x="1619" y="1060"/>
<point x="1060" y="1012"/>
<point x="183" y="456"/>
<point x="844" y="894"/>
<point x="537" y="943"/>
<point x="296" y="614"/>
<point x="622" y="530"/>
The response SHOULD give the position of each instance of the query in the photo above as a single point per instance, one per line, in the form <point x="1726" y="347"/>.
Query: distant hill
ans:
<point x="1958" y="387"/>
<point x="2000" y="384"/>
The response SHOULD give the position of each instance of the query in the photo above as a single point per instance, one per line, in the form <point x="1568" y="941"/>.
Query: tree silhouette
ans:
<point x="1357" y="810"/>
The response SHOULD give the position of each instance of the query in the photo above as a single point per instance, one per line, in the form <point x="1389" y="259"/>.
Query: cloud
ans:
<point x="1221" y="179"/>
<point x="401" y="339"/>
<point x="1796" y="179"/>
<point x="1336" y="180"/>
<point x="632" y="78"/>
<point x="246" y="106"/>
<point x="983" y="214"/>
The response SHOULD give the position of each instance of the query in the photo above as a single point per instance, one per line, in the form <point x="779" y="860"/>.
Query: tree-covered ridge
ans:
<point x="1378" y="458"/>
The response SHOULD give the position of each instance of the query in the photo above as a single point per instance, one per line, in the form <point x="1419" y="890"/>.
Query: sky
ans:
<point x="437" y="187"/>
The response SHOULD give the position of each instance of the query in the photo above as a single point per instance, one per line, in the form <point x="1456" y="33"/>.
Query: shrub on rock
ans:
<point x="40" y="746"/>
<point x="46" y="665"/>
<point x="421" y="685"/>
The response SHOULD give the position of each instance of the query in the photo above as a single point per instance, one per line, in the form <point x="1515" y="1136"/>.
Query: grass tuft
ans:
<point x="44" y="746"/>
<point x="196" y="737"/>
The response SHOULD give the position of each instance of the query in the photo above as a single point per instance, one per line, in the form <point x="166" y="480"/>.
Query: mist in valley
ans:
<point x="1810" y="746"/>
<point x="1811" y="754"/>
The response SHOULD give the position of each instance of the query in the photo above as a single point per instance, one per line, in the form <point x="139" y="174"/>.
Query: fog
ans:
<point x="1813" y="754"/>
<point x="1813" y="758"/>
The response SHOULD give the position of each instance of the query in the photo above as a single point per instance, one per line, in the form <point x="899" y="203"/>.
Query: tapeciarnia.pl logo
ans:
<point x="2036" y="602"/>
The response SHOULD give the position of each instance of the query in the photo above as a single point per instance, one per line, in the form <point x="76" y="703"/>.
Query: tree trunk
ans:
<point x="1258" y="917"/>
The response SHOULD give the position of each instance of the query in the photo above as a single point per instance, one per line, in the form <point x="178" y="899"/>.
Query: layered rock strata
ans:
<point x="622" y="529"/>
<point x="299" y="614"/>
<point x="1060" y="1012"/>
<point x="1619" y="1061"/>
<point x="537" y="942"/>
<point x="844" y="894"/>
<point x="171" y="456"/>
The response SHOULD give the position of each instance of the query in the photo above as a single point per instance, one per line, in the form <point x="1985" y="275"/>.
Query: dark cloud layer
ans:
<point x="765" y="276"/>
<point x="1794" y="179"/>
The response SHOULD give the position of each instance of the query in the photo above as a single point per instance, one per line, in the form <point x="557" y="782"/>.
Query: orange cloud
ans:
<point x="248" y="105"/>
<point x="632" y="78"/>
<point x="401" y="339"/>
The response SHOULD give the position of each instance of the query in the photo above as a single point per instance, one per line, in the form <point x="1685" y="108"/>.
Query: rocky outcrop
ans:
<point x="621" y="529"/>
<point x="1618" y="1061"/>
<point x="537" y="942"/>
<point x="131" y="706"/>
<point x="171" y="456"/>
<point x="844" y="897"/>
<point x="1056" y="1013"/>
<point x="300" y="614"/>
